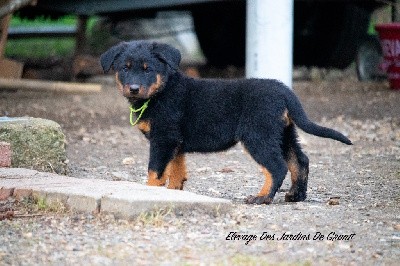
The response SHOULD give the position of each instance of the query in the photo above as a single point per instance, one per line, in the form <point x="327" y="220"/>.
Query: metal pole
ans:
<point x="269" y="40"/>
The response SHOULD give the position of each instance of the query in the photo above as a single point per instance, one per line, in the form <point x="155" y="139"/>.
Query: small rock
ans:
<point x="227" y="170"/>
<point x="5" y="193"/>
<point x="128" y="161"/>
<point x="216" y="192"/>
<point x="377" y="254"/>
<point x="203" y="169"/>
<point x="28" y="235"/>
<point x="21" y="193"/>
<point x="344" y="246"/>
<point x="120" y="176"/>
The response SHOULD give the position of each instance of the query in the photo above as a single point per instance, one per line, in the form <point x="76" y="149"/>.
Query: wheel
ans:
<point x="328" y="39"/>
<point x="369" y="55"/>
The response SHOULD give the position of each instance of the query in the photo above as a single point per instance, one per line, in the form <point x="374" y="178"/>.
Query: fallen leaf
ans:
<point x="333" y="201"/>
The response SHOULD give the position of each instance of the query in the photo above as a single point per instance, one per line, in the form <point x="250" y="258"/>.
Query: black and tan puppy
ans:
<point x="179" y="114"/>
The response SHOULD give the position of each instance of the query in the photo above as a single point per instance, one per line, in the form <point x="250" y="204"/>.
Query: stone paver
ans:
<point x="122" y="198"/>
<point x="5" y="154"/>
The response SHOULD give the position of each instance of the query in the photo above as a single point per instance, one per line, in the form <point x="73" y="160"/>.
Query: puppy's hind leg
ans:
<point x="297" y="163"/>
<point x="268" y="155"/>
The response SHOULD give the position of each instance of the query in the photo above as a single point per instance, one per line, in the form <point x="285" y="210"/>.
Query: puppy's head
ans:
<point x="141" y="68"/>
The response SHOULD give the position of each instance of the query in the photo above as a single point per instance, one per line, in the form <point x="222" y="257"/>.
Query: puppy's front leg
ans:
<point x="160" y="154"/>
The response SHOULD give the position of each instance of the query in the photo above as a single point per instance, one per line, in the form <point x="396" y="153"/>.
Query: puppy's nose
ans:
<point x="134" y="89"/>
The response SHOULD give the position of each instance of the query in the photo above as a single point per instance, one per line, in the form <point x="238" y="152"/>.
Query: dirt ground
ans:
<point x="351" y="215"/>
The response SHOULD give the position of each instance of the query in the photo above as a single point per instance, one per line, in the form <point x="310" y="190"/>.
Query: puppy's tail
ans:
<point x="300" y="118"/>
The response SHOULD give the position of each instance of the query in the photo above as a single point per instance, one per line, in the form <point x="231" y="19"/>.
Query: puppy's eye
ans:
<point x="125" y="68"/>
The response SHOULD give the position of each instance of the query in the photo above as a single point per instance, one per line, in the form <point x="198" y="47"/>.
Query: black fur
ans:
<point x="205" y="115"/>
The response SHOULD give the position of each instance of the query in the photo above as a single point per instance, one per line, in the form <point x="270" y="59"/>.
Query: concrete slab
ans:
<point x="152" y="198"/>
<point x="122" y="198"/>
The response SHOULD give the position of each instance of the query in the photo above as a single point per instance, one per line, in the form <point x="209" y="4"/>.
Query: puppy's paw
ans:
<point x="155" y="183"/>
<point x="176" y="183"/>
<point x="258" y="200"/>
<point x="177" y="187"/>
<point x="295" y="196"/>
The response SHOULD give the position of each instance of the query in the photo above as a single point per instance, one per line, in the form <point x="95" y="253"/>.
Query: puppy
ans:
<point x="179" y="115"/>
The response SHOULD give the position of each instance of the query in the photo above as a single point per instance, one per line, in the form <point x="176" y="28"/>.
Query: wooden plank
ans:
<point x="54" y="31"/>
<point x="43" y="85"/>
<point x="10" y="68"/>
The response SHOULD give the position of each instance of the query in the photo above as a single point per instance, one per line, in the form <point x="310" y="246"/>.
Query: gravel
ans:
<point x="351" y="215"/>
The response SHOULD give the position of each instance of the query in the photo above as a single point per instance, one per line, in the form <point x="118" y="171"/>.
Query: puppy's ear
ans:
<point x="167" y="54"/>
<point x="107" y="59"/>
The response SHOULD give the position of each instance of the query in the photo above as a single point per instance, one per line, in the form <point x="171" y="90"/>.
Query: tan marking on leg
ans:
<point x="152" y="179"/>
<point x="176" y="172"/>
<point x="299" y="176"/>
<point x="266" y="189"/>
<point x="155" y="86"/>
<point x="286" y="118"/>
<point x="293" y="167"/>
<point x="144" y="126"/>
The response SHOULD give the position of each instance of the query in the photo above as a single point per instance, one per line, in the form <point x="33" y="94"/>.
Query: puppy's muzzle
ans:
<point x="134" y="89"/>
